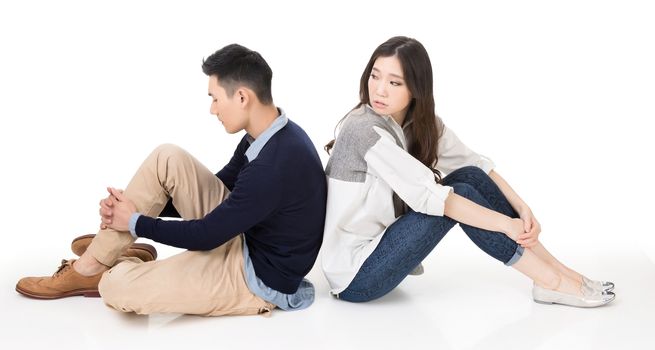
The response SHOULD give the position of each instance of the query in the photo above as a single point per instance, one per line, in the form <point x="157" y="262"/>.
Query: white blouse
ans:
<point x="368" y="164"/>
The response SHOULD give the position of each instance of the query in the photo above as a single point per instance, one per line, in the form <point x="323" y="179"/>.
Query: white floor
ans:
<point x="558" y="94"/>
<point x="465" y="300"/>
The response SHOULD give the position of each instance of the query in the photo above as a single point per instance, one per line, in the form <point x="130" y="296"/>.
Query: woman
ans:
<point x="388" y="205"/>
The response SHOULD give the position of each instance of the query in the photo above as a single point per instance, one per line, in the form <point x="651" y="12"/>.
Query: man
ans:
<point x="253" y="230"/>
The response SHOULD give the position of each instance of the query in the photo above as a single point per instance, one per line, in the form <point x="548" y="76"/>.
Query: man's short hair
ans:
<point x="235" y="66"/>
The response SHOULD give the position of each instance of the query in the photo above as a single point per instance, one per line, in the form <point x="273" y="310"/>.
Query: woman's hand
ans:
<point x="514" y="228"/>
<point x="531" y="227"/>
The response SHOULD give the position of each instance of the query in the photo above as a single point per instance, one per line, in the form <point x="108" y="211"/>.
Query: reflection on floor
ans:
<point x="463" y="301"/>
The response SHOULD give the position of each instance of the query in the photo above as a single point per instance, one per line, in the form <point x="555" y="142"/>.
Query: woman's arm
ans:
<point x="514" y="200"/>
<point x="414" y="183"/>
<point x="468" y="212"/>
<point x="531" y="227"/>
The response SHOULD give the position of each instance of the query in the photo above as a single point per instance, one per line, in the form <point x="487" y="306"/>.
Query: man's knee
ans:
<point x="168" y="150"/>
<point x="167" y="154"/>
<point x="113" y="286"/>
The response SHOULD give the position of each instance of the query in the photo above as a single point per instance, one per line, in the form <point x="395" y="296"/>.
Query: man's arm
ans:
<point x="255" y="196"/>
<point x="228" y="175"/>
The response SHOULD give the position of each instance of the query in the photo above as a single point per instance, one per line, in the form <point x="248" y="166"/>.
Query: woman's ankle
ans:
<point x="552" y="282"/>
<point x="569" y="285"/>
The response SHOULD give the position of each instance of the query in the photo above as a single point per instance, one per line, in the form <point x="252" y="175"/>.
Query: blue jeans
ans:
<point x="414" y="235"/>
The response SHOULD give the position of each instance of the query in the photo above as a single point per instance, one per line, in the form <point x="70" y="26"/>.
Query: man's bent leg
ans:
<point x="169" y="171"/>
<point x="210" y="283"/>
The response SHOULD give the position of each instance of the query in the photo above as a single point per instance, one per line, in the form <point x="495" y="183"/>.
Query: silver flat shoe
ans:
<point x="590" y="297"/>
<point x="602" y="286"/>
<point x="418" y="270"/>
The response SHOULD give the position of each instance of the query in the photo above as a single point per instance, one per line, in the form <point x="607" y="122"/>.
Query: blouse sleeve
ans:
<point x="412" y="181"/>
<point x="453" y="154"/>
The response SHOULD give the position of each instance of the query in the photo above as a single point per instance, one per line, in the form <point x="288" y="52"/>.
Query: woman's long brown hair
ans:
<point x="417" y="71"/>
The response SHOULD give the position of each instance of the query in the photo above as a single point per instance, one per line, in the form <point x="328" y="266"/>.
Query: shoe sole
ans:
<point x="88" y="293"/>
<point x="138" y="246"/>
<point x="582" y="307"/>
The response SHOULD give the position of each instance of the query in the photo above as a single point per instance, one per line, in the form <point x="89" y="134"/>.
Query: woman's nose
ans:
<point x="380" y="89"/>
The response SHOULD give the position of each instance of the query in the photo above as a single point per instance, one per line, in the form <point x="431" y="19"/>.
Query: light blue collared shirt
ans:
<point x="304" y="296"/>
<point x="256" y="145"/>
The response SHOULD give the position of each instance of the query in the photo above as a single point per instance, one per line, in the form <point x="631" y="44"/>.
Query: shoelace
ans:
<point x="64" y="264"/>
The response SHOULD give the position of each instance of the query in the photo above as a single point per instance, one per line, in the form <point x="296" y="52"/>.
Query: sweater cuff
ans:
<point x="132" y="224"/>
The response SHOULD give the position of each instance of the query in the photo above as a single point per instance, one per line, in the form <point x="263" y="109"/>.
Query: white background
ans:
<point x="559" y="94"/>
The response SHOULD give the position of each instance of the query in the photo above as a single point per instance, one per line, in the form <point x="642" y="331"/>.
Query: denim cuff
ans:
<point x="132" y="224"/>
<point x="517" y="255"/>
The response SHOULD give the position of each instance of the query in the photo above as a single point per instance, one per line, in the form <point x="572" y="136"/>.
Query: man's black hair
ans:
<point x="235" y="66"/>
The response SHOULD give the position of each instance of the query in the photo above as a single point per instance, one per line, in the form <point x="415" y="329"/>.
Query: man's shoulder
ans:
<point x="294" y="130"/>
<point x="291" y="135"/>
<point x="288" y="143"/>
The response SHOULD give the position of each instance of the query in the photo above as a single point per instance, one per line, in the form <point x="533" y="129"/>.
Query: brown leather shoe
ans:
<point x="66" y="282"/>
<point x="143" y="251"/>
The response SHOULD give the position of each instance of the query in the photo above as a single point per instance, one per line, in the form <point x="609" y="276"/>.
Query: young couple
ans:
<point x="253" y="230"/>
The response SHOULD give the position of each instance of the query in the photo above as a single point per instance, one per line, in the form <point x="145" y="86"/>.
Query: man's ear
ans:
<point x="244" y="96"/>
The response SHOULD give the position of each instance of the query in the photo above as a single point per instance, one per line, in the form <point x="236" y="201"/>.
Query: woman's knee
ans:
<point x="465" y="190"/>
<point x="469" y="174"/>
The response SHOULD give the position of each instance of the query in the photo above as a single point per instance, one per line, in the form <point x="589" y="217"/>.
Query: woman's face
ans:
<point x="387" y="90"/>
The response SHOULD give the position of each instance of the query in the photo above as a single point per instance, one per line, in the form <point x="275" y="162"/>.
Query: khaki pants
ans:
<point x="210" y="283"/>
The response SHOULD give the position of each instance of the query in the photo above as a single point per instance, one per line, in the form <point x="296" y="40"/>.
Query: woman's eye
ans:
<point x="395" y="83"/>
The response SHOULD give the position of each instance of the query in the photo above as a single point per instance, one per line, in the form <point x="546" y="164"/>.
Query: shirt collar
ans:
<point x="257" y="144"/>
<point x="408" y="121"/>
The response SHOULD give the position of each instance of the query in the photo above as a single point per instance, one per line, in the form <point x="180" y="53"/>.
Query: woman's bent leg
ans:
<point x="404" y="245"/>
<point x="496" y="244"/>
<point x="497" y="201"/>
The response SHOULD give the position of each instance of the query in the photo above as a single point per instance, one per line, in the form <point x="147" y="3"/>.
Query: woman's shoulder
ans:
<point x="358" y="132"/>
<point x="361" y="120"/>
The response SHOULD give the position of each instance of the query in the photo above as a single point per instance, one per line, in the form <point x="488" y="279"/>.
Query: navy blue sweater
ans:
<point x="277" y="200"/>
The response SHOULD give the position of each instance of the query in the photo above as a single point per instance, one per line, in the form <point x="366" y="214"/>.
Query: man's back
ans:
<point x="285" y="244"/>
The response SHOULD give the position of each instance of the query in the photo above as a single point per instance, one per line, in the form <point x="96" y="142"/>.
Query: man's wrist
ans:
<point x="132" y="224"/>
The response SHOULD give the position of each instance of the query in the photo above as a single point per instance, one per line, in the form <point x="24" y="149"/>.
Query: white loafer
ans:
<point x="602" y="286"/>
<point x="590" y="297"/>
